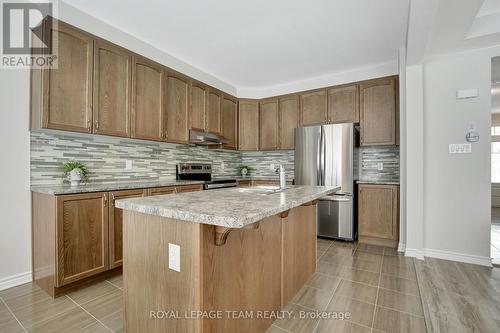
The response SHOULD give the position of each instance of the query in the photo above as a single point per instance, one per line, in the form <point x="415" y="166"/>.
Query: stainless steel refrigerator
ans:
<point x="327" y="155"/>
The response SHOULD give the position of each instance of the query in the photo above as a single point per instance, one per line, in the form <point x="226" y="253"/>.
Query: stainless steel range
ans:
<point x="203" y="172"/>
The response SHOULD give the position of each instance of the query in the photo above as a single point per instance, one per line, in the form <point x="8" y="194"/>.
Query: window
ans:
<point x="495" y="130"/>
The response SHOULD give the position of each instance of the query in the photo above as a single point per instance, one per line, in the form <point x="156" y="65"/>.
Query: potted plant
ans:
<point x="75" y="172"/>
<point x="244" y="170"/>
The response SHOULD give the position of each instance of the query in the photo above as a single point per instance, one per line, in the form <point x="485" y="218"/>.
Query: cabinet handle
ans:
<point x="96" y="124"/>
<point x="105" y="200"/>
<point x="113" y="198"/>
<point x="166" y="135"/>
<point x="89" y="126"/>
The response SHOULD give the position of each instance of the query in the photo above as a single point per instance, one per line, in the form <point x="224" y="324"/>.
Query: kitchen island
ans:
<point x="243" y="254"/>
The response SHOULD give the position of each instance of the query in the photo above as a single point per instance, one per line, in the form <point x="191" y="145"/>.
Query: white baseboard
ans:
<point x="447" y="255"/>
<point x="15" y="280"/>
<point x="416" y="253"/>
<point x="454" y="256"/>
<point x="401" y="247"/>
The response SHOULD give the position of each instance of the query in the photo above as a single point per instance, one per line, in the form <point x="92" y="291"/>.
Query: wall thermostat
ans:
<point x="472" y="135"/>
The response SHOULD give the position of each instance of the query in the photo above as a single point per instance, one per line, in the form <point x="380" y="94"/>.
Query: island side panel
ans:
<point x="243" y="274"/>
<point x="149" y="284"/>
<point x="299" y="250"/>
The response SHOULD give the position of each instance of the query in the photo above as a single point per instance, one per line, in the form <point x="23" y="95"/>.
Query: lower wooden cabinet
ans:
<point x="189" y="188"/>
<point x="378" y="214"/>
<point x="82" y="236"/>
<point x="115" y="225"/>
<point x="78" y="237"/>
<point x="161" y="190"/>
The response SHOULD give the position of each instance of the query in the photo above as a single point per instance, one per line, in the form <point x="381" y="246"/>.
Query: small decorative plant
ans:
<point x="244" y="170"/>
<point x="75" y="171"/>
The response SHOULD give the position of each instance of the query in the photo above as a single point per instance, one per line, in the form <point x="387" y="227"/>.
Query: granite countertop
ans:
<point x="232" y="207"/>
<point x="378" y="182"/>
<point x="111" y="186"/>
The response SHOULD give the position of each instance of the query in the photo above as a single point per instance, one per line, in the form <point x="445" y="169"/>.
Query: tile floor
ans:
<point x="376" y="285"/>
<point x="94" y="309"/>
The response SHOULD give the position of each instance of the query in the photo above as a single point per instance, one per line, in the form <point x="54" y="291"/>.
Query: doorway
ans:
<point x="495" y="160"/>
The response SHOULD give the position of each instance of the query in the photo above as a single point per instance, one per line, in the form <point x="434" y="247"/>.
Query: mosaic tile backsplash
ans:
<point x="105" y="158"/>
<point x="371" y="156"/>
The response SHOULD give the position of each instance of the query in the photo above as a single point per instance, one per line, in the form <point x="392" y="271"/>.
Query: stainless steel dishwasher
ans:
<point x="335" y="217"/>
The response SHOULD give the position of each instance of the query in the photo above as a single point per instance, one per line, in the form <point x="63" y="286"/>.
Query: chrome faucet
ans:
<point x="281" y="171"/>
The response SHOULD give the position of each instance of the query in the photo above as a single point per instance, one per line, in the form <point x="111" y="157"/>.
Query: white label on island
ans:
<point x="174" y="257"/>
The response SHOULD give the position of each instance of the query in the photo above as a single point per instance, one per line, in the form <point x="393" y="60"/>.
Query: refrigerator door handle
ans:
<point x="322" y="157"/>
<point x="318" y="157"/>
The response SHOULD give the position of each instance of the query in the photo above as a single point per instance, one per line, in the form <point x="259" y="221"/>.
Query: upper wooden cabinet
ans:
<point x="248" y="125"/>
<point x="343" y="104"/>
<point x="147" y="100"/>
<point x="288" y="121"/>
<point x="268" y="124"/>
<point x="82" y="236"/>
<point x="378" y="112"/>
<point x="197" y="116"/>
<point x="214" y="111"/>
<point x="112" y="87"/>
<point x="115" y="230"/>
<point x="67" y="90"/>
<point x="313" y="107"/>
<point x="378" y="214"/>
<point x="177" y="108"/>
<point x="230" y="121"/>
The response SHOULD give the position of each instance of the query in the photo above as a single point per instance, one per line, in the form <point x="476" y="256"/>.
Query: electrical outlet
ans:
<point x="272" y="166"/>
<point x="174" y="257"/>
<point x="128" y="165"/>
<point x="380" y="166"/>
<point x="460" y="148"/>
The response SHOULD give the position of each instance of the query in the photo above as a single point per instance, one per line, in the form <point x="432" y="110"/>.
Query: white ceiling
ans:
<point x="463" y="25"/>
<point x="263" y="43"/>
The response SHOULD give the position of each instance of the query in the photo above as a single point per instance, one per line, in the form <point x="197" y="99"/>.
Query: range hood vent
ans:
<point x="206" y="138"/>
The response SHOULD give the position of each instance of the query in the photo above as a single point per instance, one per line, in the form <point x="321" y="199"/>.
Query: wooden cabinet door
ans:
<point x="67" y="100"/>
<point x="378" y="211"/>
<point x="268" y="124"/>
<point x="189" y="188"/>
<point x="378" y="112"/>
<point x="288" y="121"/>
<point x="313" y="107"/>
<point x="177" y="108"/>
<point x="112" y="86"/>
<point x="343" y="104"/>
<point x="214" y="112"/>
<point x="147" y="100"/>
<point x="82" y="236"/>
<point x="162" y="190"/>
<point x="197" y="118"/>
<point x="116" y="225"/>
<point x="230" y="121"/>
<point x="248" y="125"/>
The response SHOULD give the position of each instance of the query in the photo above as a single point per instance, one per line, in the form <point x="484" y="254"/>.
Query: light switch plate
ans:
<point x="174" y="257"/>
<point x="467" y="93"/>
<point x="380" y="166"/>
<point x="460" y="148"/>
<point x="128" y="164"/>
<point x="222" y="165"/>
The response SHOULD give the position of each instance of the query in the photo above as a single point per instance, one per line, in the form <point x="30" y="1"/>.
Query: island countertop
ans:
<point x="232" y="208"/>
